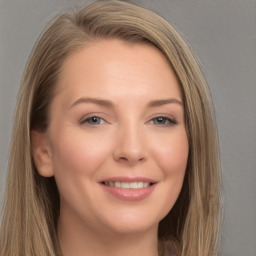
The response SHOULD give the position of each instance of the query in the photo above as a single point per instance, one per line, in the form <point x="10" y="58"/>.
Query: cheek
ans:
<point x="172" y="154"/>
<point x="171" y="157"/>
<point x="77" y="155"/>
<point x="76" y="161"/>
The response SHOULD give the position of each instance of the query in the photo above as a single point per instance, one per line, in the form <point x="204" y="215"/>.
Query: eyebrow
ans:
<point x="108" y="103"/>
<point x="97" y="101"/>
<point x="156" y="103"/>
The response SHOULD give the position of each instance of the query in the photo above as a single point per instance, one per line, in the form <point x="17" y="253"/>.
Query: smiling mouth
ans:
<point x="127" y="185"/>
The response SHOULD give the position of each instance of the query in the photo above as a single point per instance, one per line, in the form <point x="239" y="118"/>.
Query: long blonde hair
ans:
<point x="31" y="209"/>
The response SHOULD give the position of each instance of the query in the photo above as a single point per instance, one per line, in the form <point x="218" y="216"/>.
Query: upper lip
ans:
<point x="129" y="179"/>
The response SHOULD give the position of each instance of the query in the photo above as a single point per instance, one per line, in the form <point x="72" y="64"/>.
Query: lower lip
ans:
<point x="130" y="194"/>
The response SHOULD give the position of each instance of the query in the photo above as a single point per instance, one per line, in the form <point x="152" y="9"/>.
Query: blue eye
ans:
<point x="163" y="121"/>
<point x="93" y="120"/>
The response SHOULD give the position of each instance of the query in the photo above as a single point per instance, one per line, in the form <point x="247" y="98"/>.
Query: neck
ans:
<point x="81" y="240"/>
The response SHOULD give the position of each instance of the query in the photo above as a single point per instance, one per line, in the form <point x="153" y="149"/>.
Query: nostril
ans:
<point x="132" y="155"/>
<point x="132" y="160"/>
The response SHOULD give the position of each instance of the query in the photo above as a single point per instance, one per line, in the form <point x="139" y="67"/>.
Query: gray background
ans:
<point x="223" y="35"/>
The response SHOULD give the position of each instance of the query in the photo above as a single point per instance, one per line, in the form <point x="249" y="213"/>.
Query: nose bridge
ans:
<point x="130" y="144"/>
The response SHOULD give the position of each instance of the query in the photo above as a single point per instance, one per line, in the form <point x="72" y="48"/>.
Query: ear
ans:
<point x="41" y="152"/>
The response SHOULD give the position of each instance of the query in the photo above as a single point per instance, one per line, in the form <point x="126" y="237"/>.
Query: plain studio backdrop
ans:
<point x="223" y="36"/>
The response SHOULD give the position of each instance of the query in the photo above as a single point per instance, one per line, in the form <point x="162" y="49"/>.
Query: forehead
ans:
<point x="114" y="64"/>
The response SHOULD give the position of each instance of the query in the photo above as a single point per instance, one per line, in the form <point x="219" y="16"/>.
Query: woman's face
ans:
<point x="116" y="143"/>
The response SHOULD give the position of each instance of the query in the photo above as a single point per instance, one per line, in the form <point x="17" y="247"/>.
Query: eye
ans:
<point x="93" y="120"/>
<point x="163" y="121"/>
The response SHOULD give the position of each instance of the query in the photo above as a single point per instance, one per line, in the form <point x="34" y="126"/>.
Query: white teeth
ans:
<point x="140" y="184"/>
<point x="145" y="184"/>
<point x="131" y="185"/>
<point x="117" y="184"/>
<point x="125" y="185"/>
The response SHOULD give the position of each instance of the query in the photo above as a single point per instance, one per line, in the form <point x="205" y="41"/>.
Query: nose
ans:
<point x="131" y="146"/>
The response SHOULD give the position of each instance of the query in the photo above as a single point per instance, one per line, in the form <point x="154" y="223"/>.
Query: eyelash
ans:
<point x="170" y="121"/>
<point x="89" y="118"/>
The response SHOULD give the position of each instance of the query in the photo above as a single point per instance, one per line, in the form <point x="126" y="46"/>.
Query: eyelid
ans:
<point x="88" y="116"/>
<point x="170" y="119"/>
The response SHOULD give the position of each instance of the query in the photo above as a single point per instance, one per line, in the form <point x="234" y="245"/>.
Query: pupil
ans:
<point x="94" y="119"/>
<point x="160" y="120"/>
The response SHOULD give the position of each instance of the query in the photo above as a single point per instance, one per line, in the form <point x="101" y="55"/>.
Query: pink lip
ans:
<point x="130" y="194"/>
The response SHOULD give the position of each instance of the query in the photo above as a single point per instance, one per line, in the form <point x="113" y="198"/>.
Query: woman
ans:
<point x="114" y="148"/>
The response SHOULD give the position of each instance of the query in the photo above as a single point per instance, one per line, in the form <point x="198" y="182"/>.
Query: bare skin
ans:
<point x="117" y="117"/>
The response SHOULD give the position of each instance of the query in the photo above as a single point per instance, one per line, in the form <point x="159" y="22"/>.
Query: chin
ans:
<point x="132" y="223"/>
